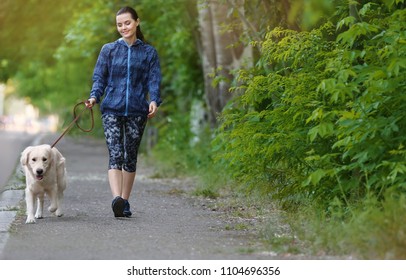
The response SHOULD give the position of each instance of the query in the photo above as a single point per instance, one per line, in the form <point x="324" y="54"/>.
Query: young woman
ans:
<point x="126" y="80"/>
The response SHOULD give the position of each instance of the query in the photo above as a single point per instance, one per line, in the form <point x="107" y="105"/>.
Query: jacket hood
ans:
<point x="137" y="42"/>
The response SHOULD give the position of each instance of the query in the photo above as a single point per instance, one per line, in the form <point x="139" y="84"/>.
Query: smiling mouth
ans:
<point x="39" y="177"/>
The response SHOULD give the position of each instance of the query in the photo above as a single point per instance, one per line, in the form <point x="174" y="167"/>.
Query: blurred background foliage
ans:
<point x="301" y="102"/>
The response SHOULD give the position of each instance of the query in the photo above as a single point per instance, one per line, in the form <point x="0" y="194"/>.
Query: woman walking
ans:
<point x="126" y="83"/>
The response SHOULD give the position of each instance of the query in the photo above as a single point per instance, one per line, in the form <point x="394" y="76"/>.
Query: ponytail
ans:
<point x="139" y="34"/>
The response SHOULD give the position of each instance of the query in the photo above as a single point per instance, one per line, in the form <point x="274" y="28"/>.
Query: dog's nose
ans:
<point x="40" y="171"/>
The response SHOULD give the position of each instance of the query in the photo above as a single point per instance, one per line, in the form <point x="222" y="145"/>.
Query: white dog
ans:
<point x="44" y="169"/>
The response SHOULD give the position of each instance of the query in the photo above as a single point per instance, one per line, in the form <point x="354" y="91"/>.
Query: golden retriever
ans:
<point x="45" y="173"/>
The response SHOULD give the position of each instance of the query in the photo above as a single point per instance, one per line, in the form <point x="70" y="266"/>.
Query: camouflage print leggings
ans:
<point x="123" y="138"/>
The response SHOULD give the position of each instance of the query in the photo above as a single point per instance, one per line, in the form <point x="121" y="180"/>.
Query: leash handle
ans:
<point x="75" y="121"/>
<point x="76" y="117"/>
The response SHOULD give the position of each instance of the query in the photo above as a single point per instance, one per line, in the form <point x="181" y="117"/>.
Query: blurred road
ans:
<point x="11" y="146"/>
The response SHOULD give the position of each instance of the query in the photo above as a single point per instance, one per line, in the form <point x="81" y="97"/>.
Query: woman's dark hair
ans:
<point x="134" y="16"/>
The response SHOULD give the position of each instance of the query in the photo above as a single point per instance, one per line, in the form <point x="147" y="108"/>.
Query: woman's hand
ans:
<point x="153" y="108"/>
<point x="90" y="102"/>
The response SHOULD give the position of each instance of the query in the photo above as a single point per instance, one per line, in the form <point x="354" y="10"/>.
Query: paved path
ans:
<point x="165" y="223"/>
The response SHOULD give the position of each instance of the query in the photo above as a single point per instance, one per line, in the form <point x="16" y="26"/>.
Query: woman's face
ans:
<point x="127" y="26"/>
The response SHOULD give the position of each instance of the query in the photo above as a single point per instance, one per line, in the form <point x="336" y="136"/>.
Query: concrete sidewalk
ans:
<point x="165" y="225"/>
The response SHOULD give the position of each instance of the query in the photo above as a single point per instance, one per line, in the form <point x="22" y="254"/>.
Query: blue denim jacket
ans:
<point x="126" y="75"/>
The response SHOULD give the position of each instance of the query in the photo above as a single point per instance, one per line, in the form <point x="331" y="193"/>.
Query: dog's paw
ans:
<point x="30" y="220"/>
<point x="52" y="209"/>
<point x="39" y="214"/>
<point x="59" y="213"/>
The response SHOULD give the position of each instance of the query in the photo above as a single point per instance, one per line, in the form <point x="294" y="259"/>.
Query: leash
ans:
<point x="75" y="121"/>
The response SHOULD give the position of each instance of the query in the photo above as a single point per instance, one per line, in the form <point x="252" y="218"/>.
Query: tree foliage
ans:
<point x="30" y="32"/>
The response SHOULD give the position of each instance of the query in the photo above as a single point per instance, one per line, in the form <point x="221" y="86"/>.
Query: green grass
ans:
<point x="206" y="192"/>
<point x="16" y="182"/>
<point x="369" y="229"/>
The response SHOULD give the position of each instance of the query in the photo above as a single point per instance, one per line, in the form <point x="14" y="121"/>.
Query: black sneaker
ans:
<point x="127" y="211"/>
<point x="118" y="206"/>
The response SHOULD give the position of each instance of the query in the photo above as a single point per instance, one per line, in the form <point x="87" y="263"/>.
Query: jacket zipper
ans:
<point x="128" y="81"/>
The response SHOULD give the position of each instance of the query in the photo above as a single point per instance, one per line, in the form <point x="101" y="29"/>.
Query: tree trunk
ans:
<point x="218" y="57"/>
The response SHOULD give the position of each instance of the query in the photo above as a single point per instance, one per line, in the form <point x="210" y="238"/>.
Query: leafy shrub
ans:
<point x="323" y="118"/>
<point x="264" y="134"/>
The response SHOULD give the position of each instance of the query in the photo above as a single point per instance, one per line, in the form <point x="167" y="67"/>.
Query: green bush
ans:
<point x="326" y="117"/>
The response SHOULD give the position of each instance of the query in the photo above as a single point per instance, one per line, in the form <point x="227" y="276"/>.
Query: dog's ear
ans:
<point x="25" y="155"/>
<point x="59" y="159"/>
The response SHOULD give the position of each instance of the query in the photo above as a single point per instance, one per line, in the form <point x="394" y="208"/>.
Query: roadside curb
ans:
<point x="9" y="201"/>
<point x="9" y="206"/>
